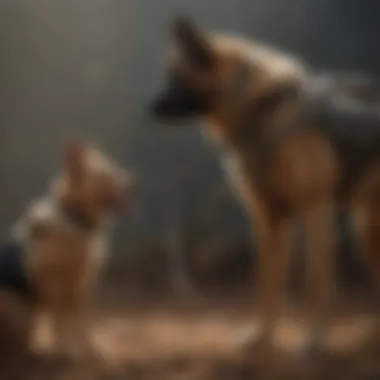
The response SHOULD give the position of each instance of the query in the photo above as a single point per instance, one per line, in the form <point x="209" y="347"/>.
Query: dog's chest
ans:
<point x="97" y="250"/>
<point x="78" y="255"/>
<point x="67" y="266"/>
<point x="66" y="257"/>
<point x="231" y="164"/>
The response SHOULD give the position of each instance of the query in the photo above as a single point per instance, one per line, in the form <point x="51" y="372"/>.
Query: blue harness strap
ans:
<point x="13" y="274"/>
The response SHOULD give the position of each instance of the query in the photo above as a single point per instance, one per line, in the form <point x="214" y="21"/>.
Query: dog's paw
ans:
<point x="311" y="348"/>
<point x="74" y="353"/>
<point x="372" y="344"/>
<point x="59" y="358"/>
<point x="251" y="341"/>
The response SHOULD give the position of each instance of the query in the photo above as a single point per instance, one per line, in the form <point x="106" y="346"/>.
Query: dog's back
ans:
<point x="346" y="109"/>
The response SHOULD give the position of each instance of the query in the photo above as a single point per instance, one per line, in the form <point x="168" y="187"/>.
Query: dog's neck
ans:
<point x="245" y="129"/>
<point x="77" y="217"/>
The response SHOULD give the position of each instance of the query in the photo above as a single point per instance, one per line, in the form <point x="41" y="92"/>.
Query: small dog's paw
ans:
<point x="73" y="353"/>
<point x="60" y="358"/>
<point x="92" y="355"/>
<point x="373" y="345"/>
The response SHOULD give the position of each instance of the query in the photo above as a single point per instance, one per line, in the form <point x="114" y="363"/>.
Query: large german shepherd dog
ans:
<point x="297" y="146"/>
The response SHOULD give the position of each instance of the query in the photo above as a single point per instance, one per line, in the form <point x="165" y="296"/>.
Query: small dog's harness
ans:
<point x="13" y="272"/>
<point x="14" y="275"/>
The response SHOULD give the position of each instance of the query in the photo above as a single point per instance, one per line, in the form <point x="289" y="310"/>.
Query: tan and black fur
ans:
<point x="297" y="146"/>
<point x="64" y="237"/>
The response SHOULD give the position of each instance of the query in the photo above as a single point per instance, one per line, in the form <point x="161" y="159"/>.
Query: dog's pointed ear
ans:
<point x="193" y="41"/>
<point x="74" y="152"/>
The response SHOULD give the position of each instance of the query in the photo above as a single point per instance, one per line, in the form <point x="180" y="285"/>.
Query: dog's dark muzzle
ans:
<point x="178" y="103"/>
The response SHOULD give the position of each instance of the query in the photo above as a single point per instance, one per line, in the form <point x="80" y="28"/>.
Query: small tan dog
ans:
<point x="64" y="238"/>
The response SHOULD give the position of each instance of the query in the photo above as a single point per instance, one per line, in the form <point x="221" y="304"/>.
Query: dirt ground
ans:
<point x="203" y="344"/>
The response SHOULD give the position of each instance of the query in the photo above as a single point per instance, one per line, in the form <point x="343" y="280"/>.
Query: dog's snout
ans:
<point x="154" y="109"/>
<point x="159" y="106"/>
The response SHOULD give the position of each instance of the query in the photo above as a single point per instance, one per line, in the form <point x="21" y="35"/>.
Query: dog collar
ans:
<point x="77" y="217"/>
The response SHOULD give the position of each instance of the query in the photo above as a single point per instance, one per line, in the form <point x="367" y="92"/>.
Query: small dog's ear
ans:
<point x="192" y="41"/>
<point x="74" y="158"/>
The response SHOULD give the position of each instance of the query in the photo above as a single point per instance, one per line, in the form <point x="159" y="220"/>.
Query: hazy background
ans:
<point x="88" y="68"/>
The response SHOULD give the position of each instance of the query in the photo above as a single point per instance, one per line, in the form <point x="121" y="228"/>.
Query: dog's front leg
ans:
<point x="71" y="327"/>
<point x="81" y="330"/>
<point x="320" y="228"/>
<point x="273" y="235"/>
<point x="61" y="326"/>
<point x="274" y="256"/>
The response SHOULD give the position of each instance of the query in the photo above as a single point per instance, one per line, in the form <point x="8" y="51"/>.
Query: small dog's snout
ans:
<point x="132" y="187"/>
